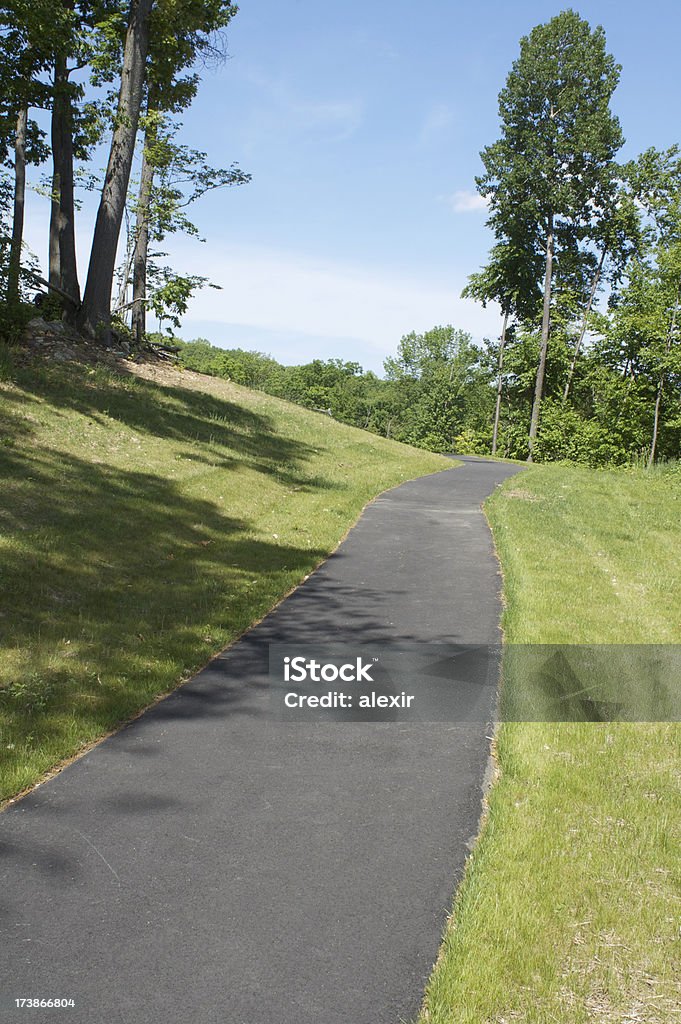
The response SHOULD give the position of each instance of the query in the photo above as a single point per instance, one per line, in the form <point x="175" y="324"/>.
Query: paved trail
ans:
<point x="208" y="865"/>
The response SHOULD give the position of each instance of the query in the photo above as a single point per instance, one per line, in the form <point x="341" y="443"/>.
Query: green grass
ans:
<point x="590" y="556"/>
<point x="570" y="909"/>
<point x="142" y="528"/>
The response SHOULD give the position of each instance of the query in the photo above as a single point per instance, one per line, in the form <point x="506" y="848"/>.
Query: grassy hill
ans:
<point x="147" y="517"/>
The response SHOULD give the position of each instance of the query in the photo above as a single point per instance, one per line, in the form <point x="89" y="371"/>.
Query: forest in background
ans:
<point x="570" y="377"/>
<point x="439" y="393"/>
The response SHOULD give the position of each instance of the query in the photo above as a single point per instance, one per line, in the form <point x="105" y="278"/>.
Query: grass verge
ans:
<point x="570" y="909"/>
<point x="143" y="526"/>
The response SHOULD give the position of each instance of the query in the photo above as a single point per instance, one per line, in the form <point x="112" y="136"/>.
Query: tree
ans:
<point x="173" y="177"/>
<point x="83" y="35"/>
<point x="618" y="236"/>
<point x="28" y="29"/>
<point x="96" y="308"/>
<point x="78" y="28"/>
<point x="554" y="163"/>
<point x="440" y="390"/>
<point x="510" y="278"/>
<point x="641" y="333"/>
<point x="19" y="203"/>
<point x="641" y="346"/>
<point x="170" y="90"/>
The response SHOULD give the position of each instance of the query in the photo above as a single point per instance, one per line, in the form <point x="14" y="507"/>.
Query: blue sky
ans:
<point x="362" y="124"/>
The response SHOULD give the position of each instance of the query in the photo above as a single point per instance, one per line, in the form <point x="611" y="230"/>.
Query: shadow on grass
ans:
<point x="179" y="414"/>
<point x="114" y="582"/>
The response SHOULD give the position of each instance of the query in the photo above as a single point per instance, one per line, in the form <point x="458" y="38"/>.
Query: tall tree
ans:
<point x="554" y="162"/>
<point x="73" y="43"/>
<point x="169" y="90"/>
<point x="42" y="43"/>
<point x="95" y="311"/>
<point x="19" y="203"/>
<point x="27" y="30"/>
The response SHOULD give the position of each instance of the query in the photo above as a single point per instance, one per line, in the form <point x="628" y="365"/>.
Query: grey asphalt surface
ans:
<point x="209" y="864"/>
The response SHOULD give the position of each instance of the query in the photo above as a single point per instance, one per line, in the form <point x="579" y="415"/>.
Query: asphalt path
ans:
<point x="210" y="864"/>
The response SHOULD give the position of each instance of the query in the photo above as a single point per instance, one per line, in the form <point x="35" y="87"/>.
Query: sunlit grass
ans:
<point x="570" y="909"/>
<point x="144" y="527"/>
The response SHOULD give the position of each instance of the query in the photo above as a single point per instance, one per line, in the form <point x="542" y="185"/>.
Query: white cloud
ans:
<point x="465" y="201"/>
<point x="288" y="293"/>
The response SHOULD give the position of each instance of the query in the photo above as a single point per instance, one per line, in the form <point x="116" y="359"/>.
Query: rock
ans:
<point x="35" y="326"/>
<point x="56" y="341"/>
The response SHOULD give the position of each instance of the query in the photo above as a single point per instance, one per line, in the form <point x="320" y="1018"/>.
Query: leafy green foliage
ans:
<point x="551" y="179"/>
<point x="439" y="390"/>
<point x="436" y="386"/>
<point x="13" y="320"/>
<point x="554" y="159"/>
<point x="172" y="292"/>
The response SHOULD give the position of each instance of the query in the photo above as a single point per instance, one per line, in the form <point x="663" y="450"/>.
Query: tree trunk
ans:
<point x="546" y="321"/>
<point x="96" y="308"/>
<point x="585" y="319"/>
<point x="122" y="303"/>
<point x="139" y="275"/>
<point x="656" y="421"/>
<point x="497" y="411"/>
<point x="54" y="259"/>
<point x="14" y="268"/>
<point x="63" y="266"/>
<point x="660" y="383"/>
<point x="122" y="297"/>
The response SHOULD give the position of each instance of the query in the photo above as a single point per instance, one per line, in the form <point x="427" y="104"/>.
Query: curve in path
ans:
<point x="209" y="864"/>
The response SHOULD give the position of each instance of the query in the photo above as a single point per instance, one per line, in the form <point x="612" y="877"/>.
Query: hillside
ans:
<point x="149" y="516"/>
